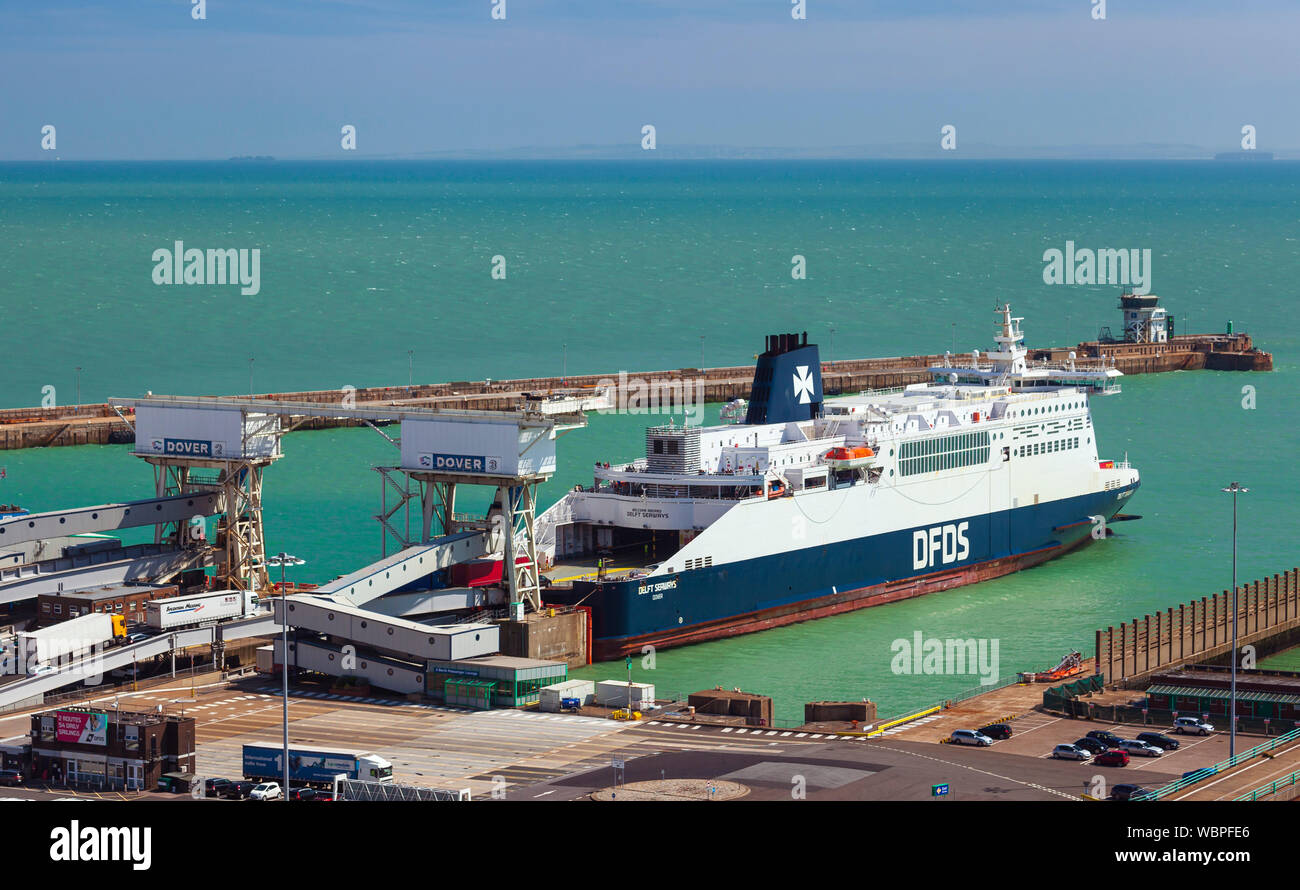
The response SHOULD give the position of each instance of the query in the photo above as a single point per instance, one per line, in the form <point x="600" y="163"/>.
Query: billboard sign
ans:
<point x="81" y="728"/>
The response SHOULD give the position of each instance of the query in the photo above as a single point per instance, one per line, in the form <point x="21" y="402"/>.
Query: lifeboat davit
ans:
<point x="844" y="458"/>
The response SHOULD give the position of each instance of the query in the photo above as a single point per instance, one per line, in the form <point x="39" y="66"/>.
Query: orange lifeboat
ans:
<point x="844" y="458"/>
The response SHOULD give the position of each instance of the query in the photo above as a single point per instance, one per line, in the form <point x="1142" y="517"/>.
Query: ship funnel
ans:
<point x="787" y="381"/>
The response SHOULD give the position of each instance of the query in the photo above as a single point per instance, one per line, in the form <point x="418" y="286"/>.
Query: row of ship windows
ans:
<point x="1046" y="409"/>
<point x="950" y="461"/>
<point x="1047" y="447"/>
<point x="941" y="444"/>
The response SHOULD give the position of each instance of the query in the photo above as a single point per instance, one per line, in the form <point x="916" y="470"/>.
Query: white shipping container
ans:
<point x="183" y="611"/>
<point x="217" y="433"/>
<point x="63" y="641"/>
<point x="480" y="448"/>
<point x="265" y="659"/>
<point x="583" y="690"/>
<point x="613" y="694"/>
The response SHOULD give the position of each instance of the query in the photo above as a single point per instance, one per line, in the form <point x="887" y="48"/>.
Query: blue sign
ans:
<point x="939" y="790"/>
<point x="187" y="447"/>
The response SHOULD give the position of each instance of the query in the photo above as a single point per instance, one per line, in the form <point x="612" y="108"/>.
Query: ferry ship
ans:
<point x="811" y="507"/>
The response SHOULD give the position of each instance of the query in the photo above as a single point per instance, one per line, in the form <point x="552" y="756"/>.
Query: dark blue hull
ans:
<point x="770" y="591"/>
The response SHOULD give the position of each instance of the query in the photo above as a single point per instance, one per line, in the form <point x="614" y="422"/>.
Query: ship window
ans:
<point x="672" y="447"/>
<point x="659" y="446"/>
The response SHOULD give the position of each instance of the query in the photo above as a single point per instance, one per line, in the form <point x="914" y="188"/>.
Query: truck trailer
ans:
<point x="51" y="647"/>
<point x="313" y="766"/>
<point x="201" y="608"/>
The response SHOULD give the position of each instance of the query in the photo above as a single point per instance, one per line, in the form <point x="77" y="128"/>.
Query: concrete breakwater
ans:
<point x="101" y="424"/>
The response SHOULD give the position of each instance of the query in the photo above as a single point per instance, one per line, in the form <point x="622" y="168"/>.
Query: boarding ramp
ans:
<point x="108" y="517"/>
<point x="430" y="602"/>
<point x="145" y="563"/>
<point x="405" y="639"/>
<point x="408" y="565"/>
<point x="95" y="665"/>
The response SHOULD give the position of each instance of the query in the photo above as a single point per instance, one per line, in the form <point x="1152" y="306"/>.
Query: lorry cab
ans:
<point x="373" y="768"/>
<point x="119" y="627"/>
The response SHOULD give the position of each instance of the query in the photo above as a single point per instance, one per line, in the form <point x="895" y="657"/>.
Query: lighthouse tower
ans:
<point x="1145" y="321"/>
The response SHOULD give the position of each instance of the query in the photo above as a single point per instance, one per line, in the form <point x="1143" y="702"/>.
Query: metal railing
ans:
<point x="1219" y="767"/>
<point x="1271" y="788"/>
<point x="348" y="789"/>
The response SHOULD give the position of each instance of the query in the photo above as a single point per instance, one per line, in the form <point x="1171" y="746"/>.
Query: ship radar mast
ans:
<point x="1009" y="359"/>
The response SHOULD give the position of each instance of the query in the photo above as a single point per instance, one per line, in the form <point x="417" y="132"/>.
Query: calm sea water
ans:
<point x="628" y="265"/>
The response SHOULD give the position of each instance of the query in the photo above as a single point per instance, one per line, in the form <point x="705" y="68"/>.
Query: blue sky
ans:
<point x="142" y="79"/>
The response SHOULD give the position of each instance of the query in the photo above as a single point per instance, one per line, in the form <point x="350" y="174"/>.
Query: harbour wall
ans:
<point x="102" y="425"/>
<point x="1268" y="618"/>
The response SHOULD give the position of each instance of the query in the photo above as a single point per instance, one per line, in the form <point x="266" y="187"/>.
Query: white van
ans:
<point x="1184" y="725"/>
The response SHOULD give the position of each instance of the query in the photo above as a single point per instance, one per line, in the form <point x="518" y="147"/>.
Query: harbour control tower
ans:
<point x="1145" y="321"/>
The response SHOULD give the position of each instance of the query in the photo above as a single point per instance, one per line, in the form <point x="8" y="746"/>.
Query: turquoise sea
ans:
<point x="624" y="266"/>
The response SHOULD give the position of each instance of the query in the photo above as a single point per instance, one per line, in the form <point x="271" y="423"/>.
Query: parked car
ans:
<point x="1113" y="757"/>
<point x="266" y="791"/>
<point x="1159" y="739"/>
<point x="1092" y="746"/>
<point x="1141" y="749"/>
<point x="215" y="787"/>
<point x="302" y="793"/>
<point x="969" y="737"/>
<point x="1184" y="725"/>
<point x="1109" y="739"/>
<point x="237" y="790"/>
<point x="1125" y="791"/>
<point x="10" y="777"/>
<point x="323" y="796"/>
<point x="1070" y="752"/>
<point x="997" y="731"/>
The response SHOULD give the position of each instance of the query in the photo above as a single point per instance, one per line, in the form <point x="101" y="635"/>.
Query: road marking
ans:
<point x="985" y="772"/>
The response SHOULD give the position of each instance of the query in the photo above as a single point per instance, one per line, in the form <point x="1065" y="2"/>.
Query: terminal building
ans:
<point x="1271" y="695"/>
<point x="122" y="750"/>
<point x="123" y="599"/>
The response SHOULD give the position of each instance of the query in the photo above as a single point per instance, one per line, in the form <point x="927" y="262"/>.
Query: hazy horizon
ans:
<point x="147" y="81"/>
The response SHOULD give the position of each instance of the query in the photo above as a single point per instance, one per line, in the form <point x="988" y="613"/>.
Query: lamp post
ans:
<point x="701" y="352"/>
<point x="410" y="369"/>
<point x="284" y="560"/>
<point x="832" y="347"/>
<point x="250" y="376"/>
<point x="77" y="410"/>
<point x="1234" y="489"/>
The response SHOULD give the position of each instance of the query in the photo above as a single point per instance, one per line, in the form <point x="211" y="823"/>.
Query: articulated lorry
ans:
<point x="202" y="608"/>
<point x="313" y="766"/>
<point x="47" y="649"/>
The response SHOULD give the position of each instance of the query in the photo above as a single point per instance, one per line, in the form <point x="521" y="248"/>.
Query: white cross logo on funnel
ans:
<point x="803" y="384"/>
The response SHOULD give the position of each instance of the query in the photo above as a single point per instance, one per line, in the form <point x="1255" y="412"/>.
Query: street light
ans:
<point x="77" y="410"/>
<point x="1234" y="489"/>
<point x="283" y="561"/>
<point x="410" y="369"/>
<point x="701" y="352"/>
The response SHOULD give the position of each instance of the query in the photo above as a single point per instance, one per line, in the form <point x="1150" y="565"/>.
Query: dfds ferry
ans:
<point x="810" y="507"/>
